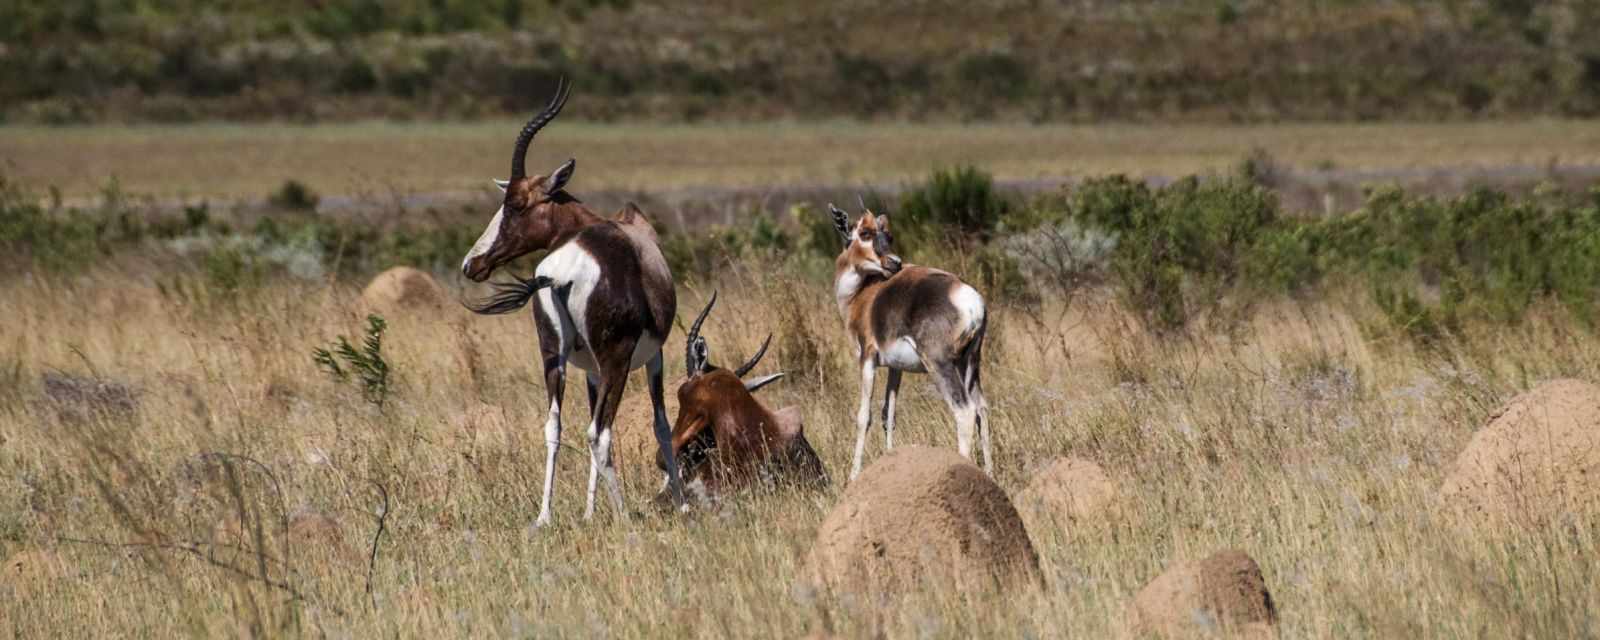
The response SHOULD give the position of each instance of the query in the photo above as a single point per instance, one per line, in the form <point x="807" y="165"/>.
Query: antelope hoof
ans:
<point x="543" y="522"/>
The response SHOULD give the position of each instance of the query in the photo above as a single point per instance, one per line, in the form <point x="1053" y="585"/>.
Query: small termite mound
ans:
<point x="1067" y="491"/>
<point x="1222" y="595"/>
<point x="403" y="288"/>
<point x="1537" y="458"/>
<point x="922" y="516"/>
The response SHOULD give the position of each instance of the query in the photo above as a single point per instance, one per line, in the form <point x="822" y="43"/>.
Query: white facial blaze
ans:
<point x="486" y="240"/>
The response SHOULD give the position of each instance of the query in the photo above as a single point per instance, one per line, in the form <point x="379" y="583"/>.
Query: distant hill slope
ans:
<point x="1018" y="60"/>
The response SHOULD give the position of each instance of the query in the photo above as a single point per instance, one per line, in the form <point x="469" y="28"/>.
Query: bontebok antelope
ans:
<point x="724" y="437"/>
<point x="909" y="318"/>
<point x="605" y="303"/>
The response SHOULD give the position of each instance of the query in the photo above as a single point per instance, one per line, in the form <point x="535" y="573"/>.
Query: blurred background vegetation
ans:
<point x="77" y="61"/>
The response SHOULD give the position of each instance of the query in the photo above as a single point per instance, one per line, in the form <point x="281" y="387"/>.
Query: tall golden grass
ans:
<point x="1310" y="437"/>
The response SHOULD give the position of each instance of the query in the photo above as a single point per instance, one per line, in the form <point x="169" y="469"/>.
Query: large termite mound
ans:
<point x="403" y="288"/>
<point x="1067" y="491"/>
<point x="921" y="515"/>
<point x="1538" y="456"/>
<point x="1224" y="594"/>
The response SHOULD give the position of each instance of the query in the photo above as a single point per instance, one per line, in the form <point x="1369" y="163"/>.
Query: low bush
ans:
<point x="961" y="200"/>
<point x="1430" y="264"/>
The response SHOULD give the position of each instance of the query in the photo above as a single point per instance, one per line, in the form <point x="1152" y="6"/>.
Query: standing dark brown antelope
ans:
<point x="909" y="318"/>
<point x="605" y="303"/>
<point x="725" y="439"/>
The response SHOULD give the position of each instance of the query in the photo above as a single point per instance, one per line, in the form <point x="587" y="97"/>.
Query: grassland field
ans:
<point x="153" y="437"/>
<point x="228" y="161"/>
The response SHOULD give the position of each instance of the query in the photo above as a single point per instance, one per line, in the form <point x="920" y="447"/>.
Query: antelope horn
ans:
<point x="519" y="154"/>
<point x="746" y="367"/>
<point x="691" y="363"/>
<point x="841" y="222"/>
<point x="752" y="385"/>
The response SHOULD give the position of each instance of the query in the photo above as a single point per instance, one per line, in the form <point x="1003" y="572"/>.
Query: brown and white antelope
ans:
<point x="909" y="318"/>
<point x="605" y="303"/>
<point x="724" y="437"/>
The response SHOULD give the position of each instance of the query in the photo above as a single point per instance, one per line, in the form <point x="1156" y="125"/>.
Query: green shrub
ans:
<point x="962" y="200"/>
<point x="294" y="196"/>
<point x="1182" y="248"/>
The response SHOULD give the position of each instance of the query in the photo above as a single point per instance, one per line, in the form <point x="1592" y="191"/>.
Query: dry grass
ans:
<point x="1313" y="446"/>
<point x="250" y="161"/>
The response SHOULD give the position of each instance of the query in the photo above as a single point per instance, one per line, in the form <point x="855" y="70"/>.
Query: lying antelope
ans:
<point x="605" y="303"/>
<point x="724" y="437"/>
<point x="909" y="318"/>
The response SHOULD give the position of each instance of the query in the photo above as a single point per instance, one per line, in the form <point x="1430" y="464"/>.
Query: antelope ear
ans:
<point x="757" y="383"/>
<point x="883" y="222"/>
<point x="841" y="223"/>
<point x="502" y="184"/>
<point x="558" y="178"/>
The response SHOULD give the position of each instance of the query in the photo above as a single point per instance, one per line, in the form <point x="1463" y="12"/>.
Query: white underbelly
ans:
<point x="901" y="354"/>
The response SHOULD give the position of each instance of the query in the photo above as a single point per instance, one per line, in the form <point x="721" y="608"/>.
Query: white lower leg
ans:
<point x="552" y="444"/>
<point x="863" y="415"/>
<point x="965" y="418"/>
<point x="594" y="470"/>
<point x="891" y="395"/>
<point x="608" y="470"/>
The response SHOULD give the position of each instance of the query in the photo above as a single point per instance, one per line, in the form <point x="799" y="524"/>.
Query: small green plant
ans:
<point x="365" y="365"/>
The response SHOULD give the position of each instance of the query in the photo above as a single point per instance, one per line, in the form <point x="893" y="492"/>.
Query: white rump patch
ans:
<point x="486" y="240"/>
<point x="571" y="266"/>
<point x="969" y="307"/>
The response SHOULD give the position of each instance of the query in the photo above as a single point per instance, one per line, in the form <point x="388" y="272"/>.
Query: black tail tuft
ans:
<point x="509" y="296"/>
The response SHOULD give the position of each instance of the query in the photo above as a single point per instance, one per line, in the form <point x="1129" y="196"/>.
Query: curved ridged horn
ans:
<point x="841" y="222"/>
<point x="694" y="362"/>
<point x="746" y="367"/>
<point x="519" y="153"/>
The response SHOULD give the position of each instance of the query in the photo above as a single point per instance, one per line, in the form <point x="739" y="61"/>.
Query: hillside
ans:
<point x="1013" y="60"/>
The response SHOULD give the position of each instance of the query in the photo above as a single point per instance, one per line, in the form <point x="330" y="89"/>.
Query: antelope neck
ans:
<point x="567" y="219"/>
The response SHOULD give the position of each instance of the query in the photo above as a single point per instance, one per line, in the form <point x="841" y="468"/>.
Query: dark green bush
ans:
<point x="1182" y="248"/>
<point x="1430" y="264"/>
<point x="295" y="196"/>
<point x="960" y="201"/>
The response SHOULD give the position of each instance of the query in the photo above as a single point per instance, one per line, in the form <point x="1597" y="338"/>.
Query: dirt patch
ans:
<point x="1222" y="594"/>
<point x="1538" y="456"/>
<point x="32" y="567"/>
<point x="404" y="288"/>
<point x="922" y="515"/>
<point x="1065" y="492"/>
